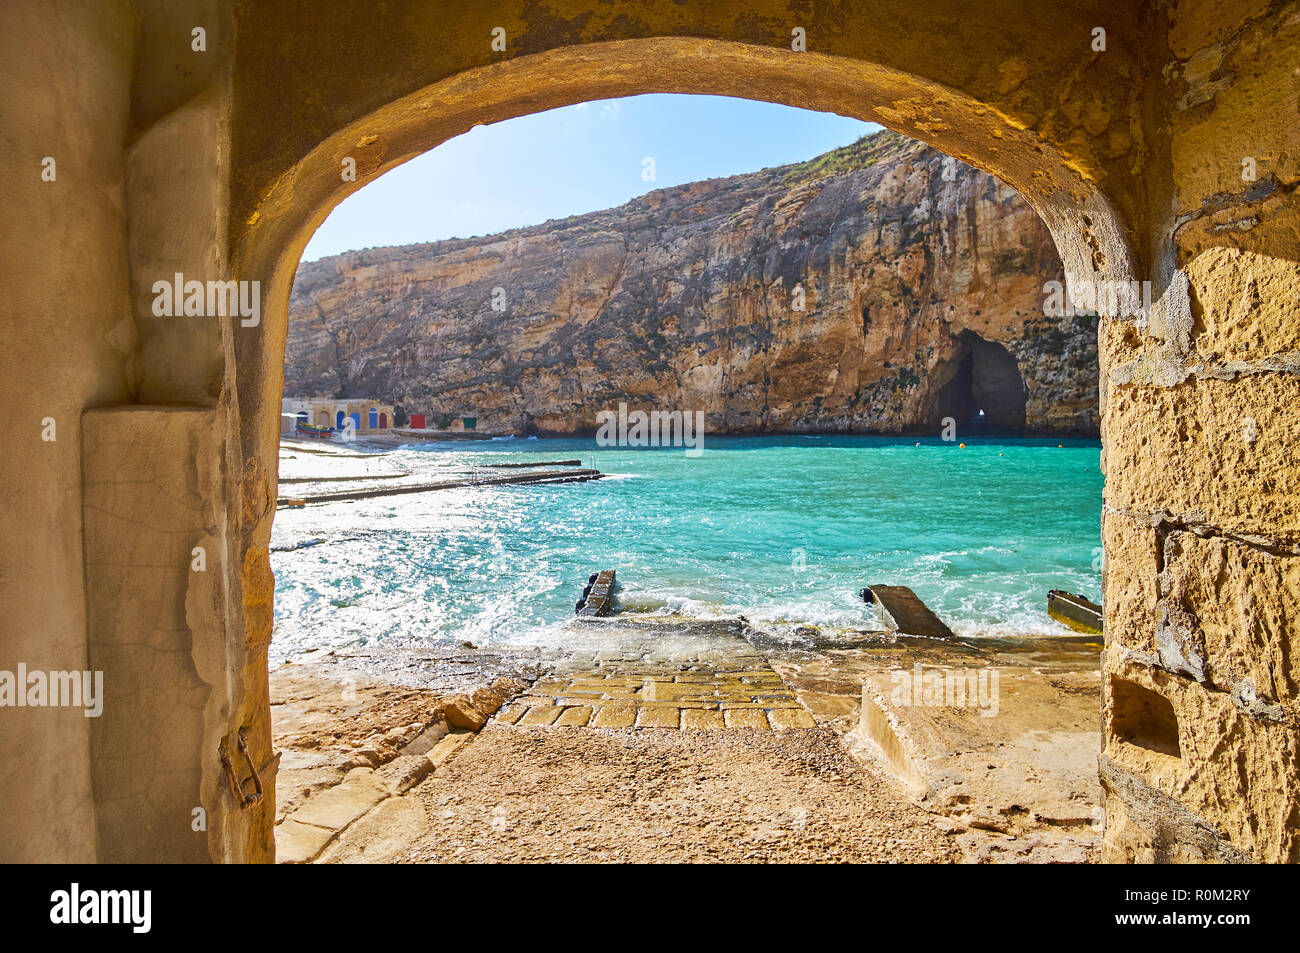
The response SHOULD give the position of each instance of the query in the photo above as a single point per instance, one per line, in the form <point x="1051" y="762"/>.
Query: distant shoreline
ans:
<point x="400" y="437"/>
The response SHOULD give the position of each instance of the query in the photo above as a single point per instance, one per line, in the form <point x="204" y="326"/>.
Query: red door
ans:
<point x="383" y="421"/>
<point x="417" y="421"/>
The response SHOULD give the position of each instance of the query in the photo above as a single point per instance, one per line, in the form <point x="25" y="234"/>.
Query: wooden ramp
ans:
<point x="1080" y="614"/>
<point x="598" y="597"/>
<point x="903" y="612"/>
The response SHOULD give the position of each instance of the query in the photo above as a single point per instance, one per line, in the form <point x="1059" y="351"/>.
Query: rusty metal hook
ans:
<point x="236" y="788"/>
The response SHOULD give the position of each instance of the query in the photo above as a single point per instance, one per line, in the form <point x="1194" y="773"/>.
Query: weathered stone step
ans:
<point x="634" y="671"/>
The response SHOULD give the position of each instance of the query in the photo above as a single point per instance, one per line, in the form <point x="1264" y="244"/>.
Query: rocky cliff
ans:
<point x="879" y="287"/>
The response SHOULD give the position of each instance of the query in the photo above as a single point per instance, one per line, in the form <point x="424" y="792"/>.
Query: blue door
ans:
<point x="338" y="420"/>
<point x="374" y="418"/>
<point x="356" y="422"/>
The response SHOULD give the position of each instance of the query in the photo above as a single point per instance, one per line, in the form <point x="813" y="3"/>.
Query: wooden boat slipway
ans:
<point x="1078" y="613"/>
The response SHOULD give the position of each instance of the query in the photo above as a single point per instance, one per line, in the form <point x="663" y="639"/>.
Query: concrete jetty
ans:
<point x="535" y="463"/>
<point x="546" y="476"/>
<point x="344" y="479"/>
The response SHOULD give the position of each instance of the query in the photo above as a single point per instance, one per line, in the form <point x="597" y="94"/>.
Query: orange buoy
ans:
<point x="961" y="444"/>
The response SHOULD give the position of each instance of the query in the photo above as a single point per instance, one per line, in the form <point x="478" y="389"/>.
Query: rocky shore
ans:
<point x="666" y="738"/>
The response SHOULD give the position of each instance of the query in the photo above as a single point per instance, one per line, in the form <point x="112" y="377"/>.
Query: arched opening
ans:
<point x="1079" y="217"/>
<point x="225" y="167"/>
<point x="981" y="374"/>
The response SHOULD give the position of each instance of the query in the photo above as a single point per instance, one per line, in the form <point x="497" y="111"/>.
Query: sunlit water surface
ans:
<point x="784" y="530"/>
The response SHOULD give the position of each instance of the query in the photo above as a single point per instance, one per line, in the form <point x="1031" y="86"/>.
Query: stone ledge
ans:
<point x="1021" y="764"/>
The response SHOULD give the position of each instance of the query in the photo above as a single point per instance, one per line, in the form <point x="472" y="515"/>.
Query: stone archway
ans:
<point x="398" y="131"/>
<point x="1134" y="155"/>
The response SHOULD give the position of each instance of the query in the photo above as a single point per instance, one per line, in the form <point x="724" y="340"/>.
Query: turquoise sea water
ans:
<point x="784" y="530"/>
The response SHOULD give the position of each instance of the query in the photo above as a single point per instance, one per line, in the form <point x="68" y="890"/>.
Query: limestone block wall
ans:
<point x="1201" y="427"/>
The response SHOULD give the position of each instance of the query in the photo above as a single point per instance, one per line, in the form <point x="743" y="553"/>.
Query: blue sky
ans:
<point x="573" y="160"/>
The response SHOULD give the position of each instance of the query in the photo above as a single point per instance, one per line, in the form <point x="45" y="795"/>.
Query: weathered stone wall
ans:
<point x="1202" y="501"/>
<point x="136" y="120"/>
<point x="67" y="335"/>
<point x="840" y="294"/>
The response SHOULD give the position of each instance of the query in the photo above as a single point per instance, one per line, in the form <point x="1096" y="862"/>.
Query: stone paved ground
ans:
<point x="662" y="796"/>
<point x="644" y="739"/>
<point x="659" y="674"/>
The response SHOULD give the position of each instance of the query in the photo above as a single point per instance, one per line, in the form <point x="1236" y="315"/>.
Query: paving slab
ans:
<point x="298" y="843"/>
<point x="613" y="671"/>
<point x="337" y="807"/>
<point x="381" y="835"/>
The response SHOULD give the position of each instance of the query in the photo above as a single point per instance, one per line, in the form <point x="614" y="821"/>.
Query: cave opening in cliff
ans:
<point x="986" y="392"/>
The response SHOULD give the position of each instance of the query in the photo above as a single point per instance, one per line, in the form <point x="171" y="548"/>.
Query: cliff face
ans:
<point x="880" y="287"/>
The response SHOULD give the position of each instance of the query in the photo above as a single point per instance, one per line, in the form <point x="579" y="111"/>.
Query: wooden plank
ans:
<point x="599" y="599"/>
<point x="1080" y="614"/>
<point x="903" y="612"/>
